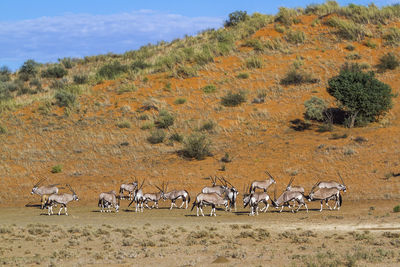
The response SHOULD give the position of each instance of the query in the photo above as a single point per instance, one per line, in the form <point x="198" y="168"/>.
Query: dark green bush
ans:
<point x="295" y="37"/>
<point x="180" y="101"/>
<point x="287" y="16"/>
<point x="184" y="72"/>
<point x="80" y="79"/>
<point x="243" y="75"/>
<point x="123" y="124"/>
<point x="388" y="61"/>
<point x="392" y="37"/>
<point x="396" y="208"/>
<point x="67" y="62"/>
<point x="3" y="129"/>
<point x="112" y="70"/>
<point x="65" y="98"/>
<point x="156" y="137"/>
<point x="256" y="44"/>
<point x="54" y="71"/>
<point x="164" y="120"/>
<point x="28" y="69"/>
<point x="5" y="74"/>
<point x="360" y="93"/>
<point x="140" y="64"/>
<point x="208" y="126"/>
<point x="233" y="99"/>
<point x="254" y="63"/>
<point x="197" y="146"/>
<point x="235" y="18"/>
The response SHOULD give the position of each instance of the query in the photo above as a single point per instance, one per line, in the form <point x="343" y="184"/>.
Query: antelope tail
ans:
<point x="188" y="199"/>
<point x="194" y="204"/>
<point x="340" y="200"/>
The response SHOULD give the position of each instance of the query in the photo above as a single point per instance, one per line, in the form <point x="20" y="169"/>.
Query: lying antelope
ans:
<point x="327" y="194"/>
<point x="108" y="200"/>
<point x="138" y="198"/>
<point x="209" y="199"/>
<point x="174" y="195"/>
<point x="288" y="196"/>
<point x="62" y="199"/>
<point x="130" y="188"/>
<point x="264" y="185"/>
<point x="44" y="191"/>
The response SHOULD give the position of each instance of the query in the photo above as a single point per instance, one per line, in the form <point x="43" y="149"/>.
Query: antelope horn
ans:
<point x="228" y="182"/>
<point x="275" y="194"/>
<point x="312" y="189"/>
<point x="70" y="188"/>
<point x="40" y="181"/>
<point x="291" y="181"/>
<point x="341" y="178"/>
<point x="157" y="187"/>
<point x="222" y="182"/>
<point x="269" y="174"/>
<point x="142" y="184"/>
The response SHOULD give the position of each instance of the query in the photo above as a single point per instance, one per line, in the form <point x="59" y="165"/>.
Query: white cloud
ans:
<point x="48" y="38"/>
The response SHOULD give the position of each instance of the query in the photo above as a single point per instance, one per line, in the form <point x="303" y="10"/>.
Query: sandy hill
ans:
<point x="91" y="126"/>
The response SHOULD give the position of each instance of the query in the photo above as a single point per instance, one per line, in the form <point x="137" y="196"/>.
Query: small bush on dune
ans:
<point x="56" y="169"/>
<point x="80" y="79"/>
<point x="67" y="62"/>
<point x="233" y="99"/>
<point x="348" y="29"/>
<point x="388" y="61"/>
<point x="209" y="89"/>
<point x="124" y="124"/>
<point x="5" y="74"/>
<point x="164" y="120"/>
<point x="28" y="70"/>
<point x="295" y="37"/>
<point x="392" y="37"/>
<point x="176" y="137"/>
<point x="156" y="137"/>
<point x="256" y="44"/>
<point x="55" y="71"/>
<point x="396" y="208"/>
<point x="112" y="70"/>
<point x="315" y="108"/>
<point x="296" y="76"/>
<point x="235" y="18"/>
<point x="287" y="16"/>
<point x="66" y="95"/>
<point x="197" y="146"/>
<point x="254" y="63"/>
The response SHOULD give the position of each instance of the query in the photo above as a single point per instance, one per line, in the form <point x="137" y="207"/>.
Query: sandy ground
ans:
<point x="361" y="233"/>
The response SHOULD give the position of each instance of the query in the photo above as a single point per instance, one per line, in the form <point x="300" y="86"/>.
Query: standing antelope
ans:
<point x="255" y="198"/>
<point x="108" y="200"/>
<point x="153" y="197"/>
<point x="62" y="199"/>
<point x="232" y="194"/>
<point x="330" y="184"/>
<point x="288" y="196"/>
<point x="295" y="188"/>
<point x="44" y="191"/>
<point x="327" y="194"/>
<point x="138" y="198"/>
<point x="219" y="189"/>
<point x="263" y="184"/>
<point x="209" y="199"/>
<point x="130" y="188"/>
<point x="175" y="195"/>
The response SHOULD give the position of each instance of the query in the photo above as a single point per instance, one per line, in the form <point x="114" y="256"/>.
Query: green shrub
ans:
<point x="256" y="44"/>
<point x="208" y="126"/>
<point x="350" y="47"/>
<point x="296" y="76"/>
<point x="295" y="37"/>
<point x="254" y="63"/>
<point x="67" y="62"/>
<point x="80" y="79"/>
<point x="140" y="64"/>
<point x="3" y="129"/>
<point x="5" y="93"/>
<point x="156" y="136"/>
<point x="180" y="101"/>
<point x="147" y="126"/>
<point x="197" y="146"/>
<point x="233" y="99"/>
<point x="66" y="95"/>
<point x="287" y="16"/>
<point x="28" y="70"/>
<point x="55" y="71"/>
<point x="353" y="56"/>
<point x="112" y="70"/>
<point x="243" y="75"/>
<point x="123" y="124"/>
<point x="392" y="37"/>
<point x="176" y="137"/>
<point x="396" y="208"/>
<point x="235" y="18"/>
<point x="56" y="169"/>
<point x="5" y="74"/>
<point x="360" y="93"/>
<point x="209" y="89"/>
<point x="348" y="29"/>
<point x="279" y="28"/>
<point x="164" y="120"/>
<point x="185" y="72"/>
<point x="370" y="44"/>
<point x="315" y="108"/>
<point x="388" y="61"/>
<point x="126" y="88"/>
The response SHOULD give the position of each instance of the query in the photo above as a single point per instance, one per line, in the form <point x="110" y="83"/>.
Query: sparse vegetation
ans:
<point x="112" y="70"/>
<point x="123" y="124"/>
<point x="388" y="61"/>
<point x="295" y="76"/>
<point x="180" y="101"/>
<point x="315" y="109"/>
<point x="209" y="89"/>
<point x="243" y="75"/>
<point x="157" y="136"/>
<point x="164" y="120"/>
<point x="54" y="71"/>
<point x="56" y="169"/>
<point x="295" y="37"/>
<point x="396" y="208"/>
<point x="254" y="63"/>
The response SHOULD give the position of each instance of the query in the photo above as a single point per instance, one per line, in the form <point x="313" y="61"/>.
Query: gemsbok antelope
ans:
<point x="130" y="188"/>
<point x="330" y="184"/>
<point x="294" y="188"/>
<point x="62" y="199"/>
<point x="153" y="197"/>
<point x="327" y="194"/>
<point x="219" y="189"/>
<point x="262" y="184"/>
<point x="174" y="195"/>
<point x="209" y="199"/>
<point x="287" y="196"/>
<point x="232" y="194"/>
<point x="138" y="198"/>
<point x="254" y="199"/>
<point x="44" y="191"/>
<point x="109" y="200"/>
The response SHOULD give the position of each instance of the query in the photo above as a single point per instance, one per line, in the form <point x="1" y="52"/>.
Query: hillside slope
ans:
<point x="102" y="140"/>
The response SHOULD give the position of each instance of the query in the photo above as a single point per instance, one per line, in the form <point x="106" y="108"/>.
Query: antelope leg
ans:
<point x="321" y="206"/>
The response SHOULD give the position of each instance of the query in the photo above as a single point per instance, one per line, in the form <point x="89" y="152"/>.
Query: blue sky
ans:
<point x="45" y="30"/>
